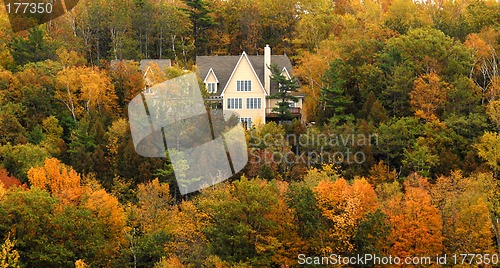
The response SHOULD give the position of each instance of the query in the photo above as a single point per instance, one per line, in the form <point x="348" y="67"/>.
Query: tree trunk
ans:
<point x="161" y="42"/>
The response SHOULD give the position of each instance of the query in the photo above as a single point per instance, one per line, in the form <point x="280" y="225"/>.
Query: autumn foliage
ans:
<point x="58" y="179"/>
<point x="411" y="89"/>
<point x="8" y="181"/>
<point x="345" y="205"/>
<point x="416" y="222"/>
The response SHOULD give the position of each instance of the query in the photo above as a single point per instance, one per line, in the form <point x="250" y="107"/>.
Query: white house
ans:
<point x="242" y="84"/>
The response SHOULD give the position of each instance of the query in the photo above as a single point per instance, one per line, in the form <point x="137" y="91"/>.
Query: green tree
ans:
<point x="36" y="47"/>
<point x="199" y="12"/>
<point x="373" y="111"/>
<point x="248" y="222"/>
<point x="397" y="136"/>
<point x="52" y="136"/>
<point x="420" y="158"/>
<point x="464" y="98"/>
<point x="334" y="100"/>
<point x="172" y="28"/>
<point x="372" y="233"/>
<point x="18" y="159"/>
<point x="419" y="52"/>
<point x="286" y="89"/>
<point x="312" y="226"/>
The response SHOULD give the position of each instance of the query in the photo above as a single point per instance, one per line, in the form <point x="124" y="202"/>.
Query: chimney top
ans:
<point x="267" y="71"/>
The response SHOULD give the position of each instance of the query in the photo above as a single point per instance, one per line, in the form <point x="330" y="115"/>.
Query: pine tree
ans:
<point x="286" y="87"/>
<point x="333" y="97"/>
<point x="199" y="13"/>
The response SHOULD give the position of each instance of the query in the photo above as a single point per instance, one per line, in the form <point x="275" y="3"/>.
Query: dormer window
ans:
<point x="212" y="87"/>
<point x="244" y="85"/>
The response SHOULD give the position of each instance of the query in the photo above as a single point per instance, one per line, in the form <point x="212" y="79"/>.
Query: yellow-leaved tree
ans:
<point x="2" y="191"/>
<point x="83" y="89"/>
<point x="9" y="257"/>
<point x="110" y="213"/>
<point x="464" y="206"/>
<point x="489" y="150"/>
<point x="493" y="111"/>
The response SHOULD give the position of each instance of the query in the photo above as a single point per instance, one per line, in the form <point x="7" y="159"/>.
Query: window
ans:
<point x="234" y="103"/>
<point x="243" y="85"/>
<point x="148" y="90"/>
<point x="254" y="103"/>
<point x="211" y="87"/>
<point x="292" y="104"/>
<point x="247" y="122"/>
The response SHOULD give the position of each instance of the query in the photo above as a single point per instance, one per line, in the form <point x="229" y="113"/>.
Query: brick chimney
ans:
<point x="267" y="71"/>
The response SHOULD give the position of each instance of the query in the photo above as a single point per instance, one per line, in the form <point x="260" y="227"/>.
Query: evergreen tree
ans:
<point x="36" y="47"/>
<point x="199" y="13"/>
<point x="333" y="97"/>
<point x="286" y="87"/>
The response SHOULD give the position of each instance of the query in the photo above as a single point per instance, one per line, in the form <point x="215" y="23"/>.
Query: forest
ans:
<point x="406" y="92"/>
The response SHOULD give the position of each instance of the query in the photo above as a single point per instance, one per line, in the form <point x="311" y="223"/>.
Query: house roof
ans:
<point x="244" y="56"/>
<point x="114" y="63"/>
<point x="223" y="67"/>
<point x="143" y="64"/>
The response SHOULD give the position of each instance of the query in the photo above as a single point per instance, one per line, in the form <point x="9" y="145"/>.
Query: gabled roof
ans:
<point x="223" y="67"/>
<point x="208" y="74"/>
<point x="244" y="57"/>
<point x="284" y="70"/>
<point x="143" y="64"/>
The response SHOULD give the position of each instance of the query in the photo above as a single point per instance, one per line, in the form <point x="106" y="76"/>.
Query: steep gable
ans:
<point x="212" y="74"/>
<point x="223" y="67"/>
<point x="245" y="63"/>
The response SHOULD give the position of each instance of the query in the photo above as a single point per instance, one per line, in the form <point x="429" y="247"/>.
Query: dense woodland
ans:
<point x="421" y="79"/>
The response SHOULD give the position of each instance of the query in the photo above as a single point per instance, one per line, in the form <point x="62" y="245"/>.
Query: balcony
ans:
<point x="296" y="113"/>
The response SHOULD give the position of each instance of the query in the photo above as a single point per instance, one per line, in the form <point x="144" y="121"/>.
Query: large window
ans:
<point x="211" y="87"/>
<point x="234" y="103"/>
<point x="254" y="103"/>
<point x="246" y="121"/>
<point x="244" y="85"/>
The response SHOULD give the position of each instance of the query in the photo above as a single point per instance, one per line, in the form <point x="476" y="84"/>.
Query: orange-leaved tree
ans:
<point x="58" y="179"/>
<point x="8" y="181"/>
<point x="112" y="220"/>
<point x="416" y="223"/>
<point x="345" y="206"/>
<point x="429" y="94"/>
